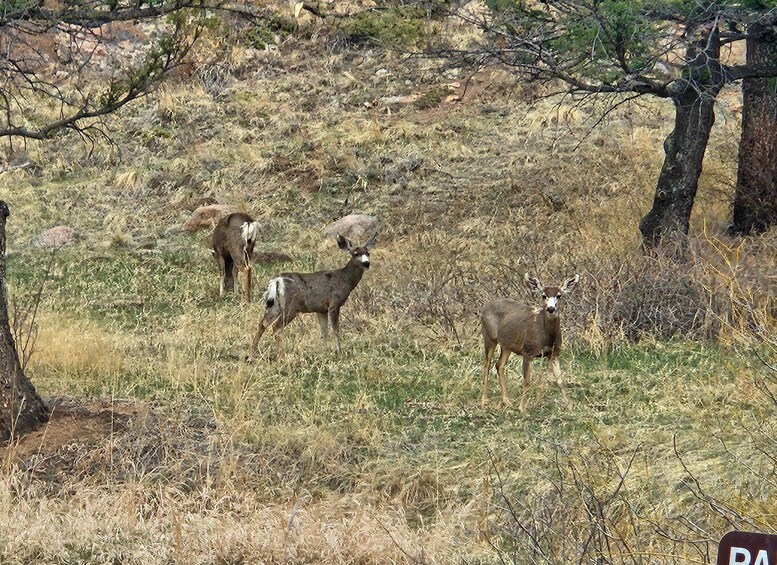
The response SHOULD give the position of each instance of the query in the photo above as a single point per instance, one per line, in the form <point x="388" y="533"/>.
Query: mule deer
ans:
<point x="528" y="331"/>
<point x="233" y="247"/>
<point x="322" y="292"/>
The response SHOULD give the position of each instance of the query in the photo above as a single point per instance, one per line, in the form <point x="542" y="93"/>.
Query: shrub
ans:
<point x="401" y="26"/>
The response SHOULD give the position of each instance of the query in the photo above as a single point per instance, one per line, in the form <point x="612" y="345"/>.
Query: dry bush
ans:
<point x="718" y="290"/>
<point x="589" y="505"/>
<point x="646" y="295"/>
<point x="580" y="510"/>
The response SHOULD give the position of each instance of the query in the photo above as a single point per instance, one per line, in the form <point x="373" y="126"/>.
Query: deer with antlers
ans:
<point x="529" y="331"/>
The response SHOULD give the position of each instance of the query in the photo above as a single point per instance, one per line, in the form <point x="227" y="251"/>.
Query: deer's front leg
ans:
<point x="323" y="326"/>
<point x="504" y="354"/>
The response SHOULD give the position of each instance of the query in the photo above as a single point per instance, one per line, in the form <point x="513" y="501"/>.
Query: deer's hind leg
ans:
<point x="248" y="270"/>
<point x="272" y="318"/>
<point x="244" y="278"/>
<point x="284" y="319"/>
<point x="490" y="347"/>
<point x="244" y="268"/>
<point x="526" y="376"/>
<point x="222" y="263"/>
<point x="334" y="317"/>
<point x="264" y="323"/>
<point x="235" y="278"/>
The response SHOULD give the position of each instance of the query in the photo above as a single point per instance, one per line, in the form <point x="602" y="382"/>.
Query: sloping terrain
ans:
<point x="382" y="453"/>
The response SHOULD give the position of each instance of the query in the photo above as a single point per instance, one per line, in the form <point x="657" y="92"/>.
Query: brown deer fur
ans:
<point x="233" y="246"/>
<point x="322" y="292"/>
<point x="526" y="330"/>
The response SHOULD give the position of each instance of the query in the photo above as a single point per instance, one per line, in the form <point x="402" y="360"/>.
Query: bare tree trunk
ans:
<point x="694" y="100"/>
<point x="21" y="409"/>
<point x="755" y="197"/>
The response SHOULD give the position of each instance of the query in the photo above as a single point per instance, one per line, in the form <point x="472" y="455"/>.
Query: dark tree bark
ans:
<point x="755" y="196"/>
<point x="669" y="218"/>
<point x="21" y="409"/>
<point x="694" y="101"/>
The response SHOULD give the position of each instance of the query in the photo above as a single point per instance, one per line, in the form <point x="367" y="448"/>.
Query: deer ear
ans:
<point x="343" y="243"/>
<point x="372" y="241"/>
<point x="532" y="283"/>
<point x="570" y="283"/>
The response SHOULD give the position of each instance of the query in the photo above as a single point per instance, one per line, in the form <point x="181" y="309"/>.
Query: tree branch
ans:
<point x="738" y="72"/>
<point x="25" y="80"/>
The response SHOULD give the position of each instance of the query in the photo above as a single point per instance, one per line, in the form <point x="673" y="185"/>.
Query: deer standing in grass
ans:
<point x="526" y="330"/>
<point x="322" y="292"/>
<point x="233" y="246"/>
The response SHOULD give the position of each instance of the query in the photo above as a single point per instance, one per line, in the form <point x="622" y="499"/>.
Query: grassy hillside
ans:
<point x="382" y="453"/>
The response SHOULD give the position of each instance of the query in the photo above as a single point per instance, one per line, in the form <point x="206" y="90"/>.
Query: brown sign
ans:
<point x="747" y="548"/>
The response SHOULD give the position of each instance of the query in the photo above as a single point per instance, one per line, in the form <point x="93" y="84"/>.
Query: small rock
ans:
<point x="55" y="238"/>
<point x="556" y="200"/>
<point x="267" y="257"/>
<point x="356" y="227"/>
<point x="206" y="217"/>
<point x="390" y="100"/>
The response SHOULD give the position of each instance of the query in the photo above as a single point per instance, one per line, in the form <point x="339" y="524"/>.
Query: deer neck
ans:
<point x="550" y="323"/>
<point x="352" y="273"/>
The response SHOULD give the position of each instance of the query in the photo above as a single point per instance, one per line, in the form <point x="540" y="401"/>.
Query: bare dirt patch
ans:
<point x="73" y="422"/>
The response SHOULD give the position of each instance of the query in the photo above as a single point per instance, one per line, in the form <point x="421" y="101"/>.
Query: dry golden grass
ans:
<point x="70" y="351"/>
<point x="219" y="525"/>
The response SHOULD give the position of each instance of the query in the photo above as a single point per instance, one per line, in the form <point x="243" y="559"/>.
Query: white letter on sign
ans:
<point x="762" y="558"/>
<point x="737" y="552"/>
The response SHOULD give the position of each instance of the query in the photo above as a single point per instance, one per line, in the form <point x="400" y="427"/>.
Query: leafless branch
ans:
<point x="44" y="91"/>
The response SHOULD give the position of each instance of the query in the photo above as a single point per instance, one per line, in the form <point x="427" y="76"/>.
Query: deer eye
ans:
<point x="544" y="297"/>
<point x="558" y="295"/>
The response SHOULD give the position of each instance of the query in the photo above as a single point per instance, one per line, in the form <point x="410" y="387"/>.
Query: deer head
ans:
<point x="551" y="294"/>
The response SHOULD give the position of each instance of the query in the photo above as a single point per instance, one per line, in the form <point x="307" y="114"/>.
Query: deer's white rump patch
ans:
<point x="275" y="292"/>
<point x="250" y="232"/>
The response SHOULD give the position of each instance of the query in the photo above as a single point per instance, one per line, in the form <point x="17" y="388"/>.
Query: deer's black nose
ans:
<point x="551" y="309"/>
<point x="366" y="264"/>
